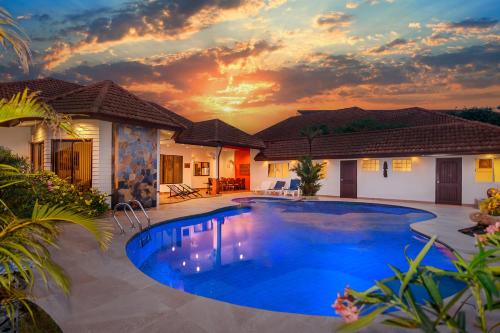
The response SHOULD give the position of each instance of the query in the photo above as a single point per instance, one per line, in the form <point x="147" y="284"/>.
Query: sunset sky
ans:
<point x="252" y="63"/>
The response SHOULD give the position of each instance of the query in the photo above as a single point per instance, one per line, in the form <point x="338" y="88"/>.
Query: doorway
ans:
<point x="449" y="181"/>
<point x="348" y="179"/>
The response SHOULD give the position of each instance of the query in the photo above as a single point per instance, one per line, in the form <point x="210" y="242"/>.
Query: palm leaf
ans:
<point x="11" y="34"/>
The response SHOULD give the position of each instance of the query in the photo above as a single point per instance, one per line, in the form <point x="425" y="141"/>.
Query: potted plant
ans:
<point x="310" y="174"/>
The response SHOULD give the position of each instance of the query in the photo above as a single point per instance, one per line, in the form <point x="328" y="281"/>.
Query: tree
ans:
<point x="12" y="35"/>
<point x="310" y="174"/>
<point x="485" y="115"/>
<point x="25" y="242"/>
<point x="312" y="132"/>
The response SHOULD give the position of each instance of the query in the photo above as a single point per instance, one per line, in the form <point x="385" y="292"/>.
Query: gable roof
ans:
<point x="47" y="87"/>
<point x="178" y="118"/>
<point x="425" y="132"/>
<point x="215" y="132"/>
<point x="451" y="138"/>
<point x="409" y="117"/>
<point x="108" y="101"/>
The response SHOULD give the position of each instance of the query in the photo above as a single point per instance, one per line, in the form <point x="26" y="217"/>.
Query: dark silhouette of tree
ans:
<point x="312" y="132"/>
<point x="485" y="115"/>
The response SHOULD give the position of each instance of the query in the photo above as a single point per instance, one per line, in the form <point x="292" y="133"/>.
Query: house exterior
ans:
<point x="132" y="148"/>
<point x="127" y="147"/>
<point x="427" y="155"/>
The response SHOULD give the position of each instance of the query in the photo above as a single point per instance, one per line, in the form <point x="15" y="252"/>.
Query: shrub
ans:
<point x="310" y="174"/>
<point x="491" y="205"/>
<point x="47" y="188"/>
<point x="478" y="274"/>
<point x="9" y="158"/>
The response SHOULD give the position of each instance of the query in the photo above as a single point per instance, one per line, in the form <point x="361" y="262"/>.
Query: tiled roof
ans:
<point x="291" y="127"/>
<point x="47" y="87"/>
<point x="449" y="137"/>
<point x="216" y="132"/>
<point x="178" y="118"/>
<point x="108" y="101"/>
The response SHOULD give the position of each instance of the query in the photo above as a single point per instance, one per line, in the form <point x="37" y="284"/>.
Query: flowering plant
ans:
<point x="47" y="188"/>
<point x="479" y="276"/>
<point x="491" y="205"/>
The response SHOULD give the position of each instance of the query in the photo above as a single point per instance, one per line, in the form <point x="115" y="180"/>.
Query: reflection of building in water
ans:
<point x="200" y="247"/>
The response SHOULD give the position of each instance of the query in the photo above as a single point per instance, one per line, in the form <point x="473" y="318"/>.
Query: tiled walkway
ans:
<point x="110" y="295"/>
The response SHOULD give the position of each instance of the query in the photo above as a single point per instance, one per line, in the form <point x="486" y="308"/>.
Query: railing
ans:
<point x="128" y="208"/>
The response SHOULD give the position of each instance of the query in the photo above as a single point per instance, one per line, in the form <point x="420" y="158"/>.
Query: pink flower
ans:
<point x="494" y="228"/>
<point x="50" y="186"/>
<point x="481" y="238"/>
<point x="344" y="306"/>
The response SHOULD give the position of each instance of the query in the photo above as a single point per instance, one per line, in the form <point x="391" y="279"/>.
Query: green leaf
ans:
<point x="433" y="289"/>
<point x="401" y="322"/>
<point x="362" y="321"/>
<point x="414" y="265"/>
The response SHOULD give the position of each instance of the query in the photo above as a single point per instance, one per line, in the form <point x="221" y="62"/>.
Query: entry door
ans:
<point x="348" y="179"/>
<point x="449" y="181"/>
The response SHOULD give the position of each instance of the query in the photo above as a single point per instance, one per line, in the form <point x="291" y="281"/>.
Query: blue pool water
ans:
<point x="282" y="255"/>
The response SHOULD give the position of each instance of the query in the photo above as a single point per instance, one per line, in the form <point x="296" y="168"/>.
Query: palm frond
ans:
<point x="11" y="34"/>
<point x="27" y="105"/>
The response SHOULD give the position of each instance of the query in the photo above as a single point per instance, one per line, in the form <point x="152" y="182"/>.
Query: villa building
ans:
<point x="132" y="148"/>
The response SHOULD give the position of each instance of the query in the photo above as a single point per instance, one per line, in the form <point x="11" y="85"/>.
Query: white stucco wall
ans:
<point x="417" y="185"/>
<point x="192" y="154"/>
<point x="17" y="139"/>
<point x="101" y="134"/>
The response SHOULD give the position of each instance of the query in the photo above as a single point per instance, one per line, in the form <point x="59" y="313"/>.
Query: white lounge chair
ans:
<point x="278" y="188"/>
<point x="293" y="188"/>
<point x="266" y="185"/>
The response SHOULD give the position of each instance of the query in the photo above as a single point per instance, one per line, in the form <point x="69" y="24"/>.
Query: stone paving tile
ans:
<point x="110" y="295"/>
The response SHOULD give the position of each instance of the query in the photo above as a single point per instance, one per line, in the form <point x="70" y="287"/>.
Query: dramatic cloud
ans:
<point x="414" y="25"/>
<point x="333" y="20"/>
<point x="157" y="19"/>
<point x="446" y="32"/>
<point x="398" y="45"/>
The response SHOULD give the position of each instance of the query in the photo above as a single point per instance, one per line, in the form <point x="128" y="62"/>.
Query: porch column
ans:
<point x="218" y="151"/>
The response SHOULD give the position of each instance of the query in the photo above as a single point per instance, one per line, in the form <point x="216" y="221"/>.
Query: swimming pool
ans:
<point x="284" y="255"/>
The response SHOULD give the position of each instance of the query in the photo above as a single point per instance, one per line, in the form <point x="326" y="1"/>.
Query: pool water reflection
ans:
<point x="284" y="255"/>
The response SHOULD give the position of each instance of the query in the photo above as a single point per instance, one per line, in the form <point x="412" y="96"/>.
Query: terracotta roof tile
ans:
<point x="47" y="87"/>
<point x="178" y="118"/>
<point x="291" y="127"/>
<point x="214" y="132"/>
<point x="107" y="100"/>
<point x="454" y="137"/>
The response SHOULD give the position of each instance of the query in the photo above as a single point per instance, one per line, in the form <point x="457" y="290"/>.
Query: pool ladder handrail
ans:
<point x="127" y="207"/>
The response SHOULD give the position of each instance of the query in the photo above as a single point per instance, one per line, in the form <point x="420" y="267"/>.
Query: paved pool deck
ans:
<point x="109" y="294"/>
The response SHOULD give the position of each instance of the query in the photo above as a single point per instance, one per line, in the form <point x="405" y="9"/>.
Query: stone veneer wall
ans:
<point x="135" y="164"/>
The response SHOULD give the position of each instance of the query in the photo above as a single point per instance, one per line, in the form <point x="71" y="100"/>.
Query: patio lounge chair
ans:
<point x="177" y="192"/>
<point x="278" y="188"/>
<point x="264" y="186"/>
<point x="293" y="189"/>
<point x="193" y="191"/>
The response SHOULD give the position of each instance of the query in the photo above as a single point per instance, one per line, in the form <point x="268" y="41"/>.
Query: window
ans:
<point x="487" y="170"/>
<point x="401" y="165"/>
<point x="171" y="169"/>
<point x="370" y="165"/>
<point x="277" y="170"/>
<point x="37" y="156"/>
<point x="72" y="160"/>
<point x="202" y="169"/>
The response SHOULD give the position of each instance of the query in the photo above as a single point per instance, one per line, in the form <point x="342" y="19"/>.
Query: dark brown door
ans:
<point x="348" y="179"/>
<point x="449" y="181"/>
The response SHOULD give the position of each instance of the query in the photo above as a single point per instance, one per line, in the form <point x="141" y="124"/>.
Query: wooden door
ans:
<point x="348" y="179"/>
<point x="449" y="181"/>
